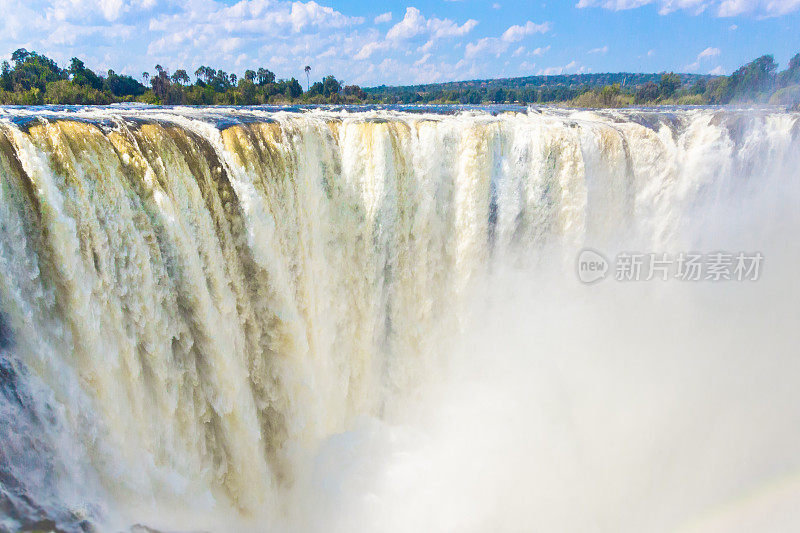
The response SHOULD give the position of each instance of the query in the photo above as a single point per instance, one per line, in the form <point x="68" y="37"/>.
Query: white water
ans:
<point x="371" y="322"/>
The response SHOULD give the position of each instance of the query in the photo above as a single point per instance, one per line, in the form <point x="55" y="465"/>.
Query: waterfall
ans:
<point x="192" y="300"/>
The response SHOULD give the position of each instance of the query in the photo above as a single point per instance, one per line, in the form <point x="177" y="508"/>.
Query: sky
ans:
<point x="399" y="42"/>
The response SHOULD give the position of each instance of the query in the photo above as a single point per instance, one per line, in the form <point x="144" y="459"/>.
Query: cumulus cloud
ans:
<point x="414" y="24"/>
<point x="384" y="17"/>
<point x="366" y="51"/>
<point x="133" y="35"/>
<point x="721" y="8"/>
<point x="311" y="13"/>
<point x="499" y="45"/>
<point x="517" y="33"/>
<point x="601" y="50"/>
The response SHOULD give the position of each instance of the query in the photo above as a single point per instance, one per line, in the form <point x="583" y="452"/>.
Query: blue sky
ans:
<point x="396" y="41"/>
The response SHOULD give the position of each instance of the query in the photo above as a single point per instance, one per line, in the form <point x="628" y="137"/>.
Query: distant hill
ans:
<point x="627" y="80"/>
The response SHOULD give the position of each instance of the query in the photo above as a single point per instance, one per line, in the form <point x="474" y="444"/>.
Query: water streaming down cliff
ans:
<point x="192" y="300"/>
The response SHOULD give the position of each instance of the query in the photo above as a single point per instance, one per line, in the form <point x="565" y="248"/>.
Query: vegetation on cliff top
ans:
<point x="36" y="79"/>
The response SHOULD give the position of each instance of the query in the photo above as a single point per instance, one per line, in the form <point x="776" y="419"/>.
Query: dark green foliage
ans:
<point x="164" y="89"/>
<point x="670" y="82"/>
<point x="646" y="93"/>
<point x="180" y="76"/>
<point x="754" y="81"/>
<point x="293" y="88"/>
<point x="330" y="85"/>
<point x="754" y="78"/>
<point x="264" y="76"/>
<point x="31" y="70"/>
<point x="791" y="75"/>
<point x="315" y="89"/>
<point x="122" y="85"/>
<point x="354" y="91"/>
<point x="82" y="76"/>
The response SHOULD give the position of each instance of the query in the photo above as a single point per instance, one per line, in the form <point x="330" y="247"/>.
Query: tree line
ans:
<point x="756" y="82"/>
<point x="32" y="79"/>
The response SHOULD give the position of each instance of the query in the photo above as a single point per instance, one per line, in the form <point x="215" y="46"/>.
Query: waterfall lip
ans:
<point x="223" y="117"/>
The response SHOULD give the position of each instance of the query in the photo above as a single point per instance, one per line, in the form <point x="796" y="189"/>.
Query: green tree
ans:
<point x="608" y="94"/>
<point x="265" y="76"/>
<point x="20" y="55"/>
<point x="6" y="82"/>
<point x="647" y="93"/>
<point x="791" y="75"/>
<point x="330" y="86"/>
<point x="180" y="76"/>
<point x="122" y="85"/>
<point x="670" y="82"/>
<point x="293" y="89"/>
<point x="247" y="92"/>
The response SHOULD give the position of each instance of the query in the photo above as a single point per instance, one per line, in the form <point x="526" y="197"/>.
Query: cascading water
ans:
<point x="194" y="301"/>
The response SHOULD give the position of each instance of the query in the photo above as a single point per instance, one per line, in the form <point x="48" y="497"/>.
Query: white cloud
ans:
<point x="721" y="8"/>
<point x="573" y="67"/>
<point x="422" y="60"/>
<point x="414" y="23"/>
<point x="717" y="71"/>
<point x="709" y="52"/>
<point x="427" y="47"/>
<point x="702" y="56"/>
<point x="767" y="8"/>
<point x="601" y="50"/>
<point x="517" y="33"/>
<point x="230" y="44"/>
<point x="487" y="44"/>
<point x="499" y="45"/>
<point x="366" y="51"/>
<point x="384" y="17"/>
<point x="312" y="14"/>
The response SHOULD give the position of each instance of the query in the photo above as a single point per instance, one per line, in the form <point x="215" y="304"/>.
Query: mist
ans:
<point x="613" y="407"/>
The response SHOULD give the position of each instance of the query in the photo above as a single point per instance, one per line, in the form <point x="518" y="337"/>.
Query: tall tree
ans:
<point x="265" y="76"/>
<point x="308" y="77"/>
<point x="180" y="76"/>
